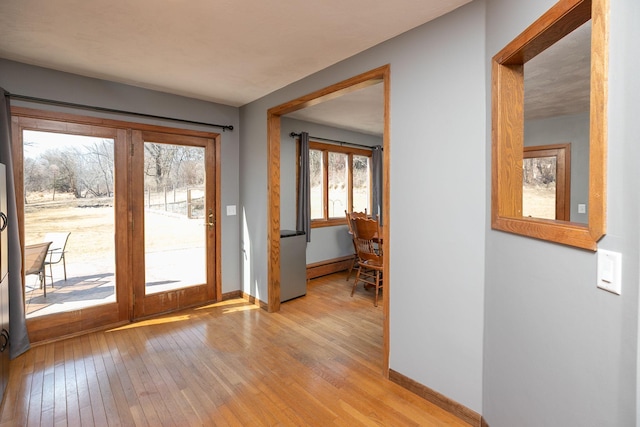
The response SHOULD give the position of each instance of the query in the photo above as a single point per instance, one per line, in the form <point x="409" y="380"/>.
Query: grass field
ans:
<point x="174" y="250"/>
<point x="91" y="223"/>
<point x="539" y="201"/>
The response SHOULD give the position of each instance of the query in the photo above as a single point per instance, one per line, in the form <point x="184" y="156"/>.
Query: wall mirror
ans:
<point x="536" y="110"/>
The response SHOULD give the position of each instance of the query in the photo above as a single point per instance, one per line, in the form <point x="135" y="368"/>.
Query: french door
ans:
<point x="71" y="178"/>
<point x="138" y="206"/>
<point x="173" y="221"/>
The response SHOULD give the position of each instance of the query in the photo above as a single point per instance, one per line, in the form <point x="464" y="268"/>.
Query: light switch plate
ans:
<point x="231" y="210"/>
<point x="582" y="208"/>
<point x="610" y="271"/>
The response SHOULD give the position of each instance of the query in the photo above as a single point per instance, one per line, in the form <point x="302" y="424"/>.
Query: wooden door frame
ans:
<point x="375" y="76"/>
<point x="69" y="123"/>
<point x="143" y="305"/>
<point x="562" y="153"/>
<point x="52" y="326"/>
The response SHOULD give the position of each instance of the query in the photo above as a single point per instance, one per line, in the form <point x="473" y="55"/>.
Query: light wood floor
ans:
<point x="316" y="363"/>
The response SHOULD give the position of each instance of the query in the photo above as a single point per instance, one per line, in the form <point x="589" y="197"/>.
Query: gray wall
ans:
<point x="557" y="350"/>
<point x="33" y="81"/>
<point x="509" y="326"/>
<point x="326" y="242"/>
<point x="437" y="222"/>
<point x="560" y="130"/>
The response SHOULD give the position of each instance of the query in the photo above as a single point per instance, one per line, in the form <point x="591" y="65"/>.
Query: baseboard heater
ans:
<point x="329" y="266"/>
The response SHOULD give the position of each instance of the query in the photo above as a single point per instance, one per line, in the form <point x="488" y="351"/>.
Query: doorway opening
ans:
<point x="379" y="75"/>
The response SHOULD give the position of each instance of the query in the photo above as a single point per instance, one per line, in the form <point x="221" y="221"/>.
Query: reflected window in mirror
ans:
<point x="549" y="85"/>
<point x="546" y="182"/>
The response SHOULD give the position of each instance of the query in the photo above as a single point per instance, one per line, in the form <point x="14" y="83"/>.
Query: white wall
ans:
<point x="559" y="351"/>
<point x="437" y="222"/>
<point x="326" y="242"/>
<point x="39" y="82"/>
<point x="559" y="130"/>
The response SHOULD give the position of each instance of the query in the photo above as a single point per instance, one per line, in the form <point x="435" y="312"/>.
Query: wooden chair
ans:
<point x="350" y="216"/>
<point x="57" y="251"/>
<point x="34" y="259"/>
<point x="370" y="257"/>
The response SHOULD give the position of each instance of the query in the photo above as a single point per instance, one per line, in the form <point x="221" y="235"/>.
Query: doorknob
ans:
<point x="211" y="220"/>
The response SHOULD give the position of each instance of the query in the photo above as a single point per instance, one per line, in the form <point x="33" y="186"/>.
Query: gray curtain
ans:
<point x="376" y="179"/>
<point x="303" y="217"/>
<point x="19" y="339"/>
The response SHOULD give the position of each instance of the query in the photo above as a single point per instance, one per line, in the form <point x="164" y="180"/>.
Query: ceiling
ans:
<point x="226" y="51"/>
<point x="359" y="111"/>
<point x="557" y="81"/>
<point x="232" y="52"/>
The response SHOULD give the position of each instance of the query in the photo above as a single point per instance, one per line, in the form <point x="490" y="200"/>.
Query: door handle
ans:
<point x="5" y="340"/>
<point x="211" y="221"/>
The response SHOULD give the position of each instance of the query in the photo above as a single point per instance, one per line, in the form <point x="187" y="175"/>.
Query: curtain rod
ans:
<point x="111" y="110"/>
<point x="295" y="135"/>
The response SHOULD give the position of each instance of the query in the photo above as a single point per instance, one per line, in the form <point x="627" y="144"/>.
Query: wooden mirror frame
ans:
<point x="507" y="114"/>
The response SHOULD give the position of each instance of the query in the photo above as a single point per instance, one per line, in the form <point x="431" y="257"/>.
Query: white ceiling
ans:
<point x="360" y="111"/>
<point x="234" y="52"/>
<point x="556" y="82"/>
<point x="226" y="51"/>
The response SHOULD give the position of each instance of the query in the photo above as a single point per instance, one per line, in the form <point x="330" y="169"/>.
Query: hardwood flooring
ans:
<point x="315" y="363"/>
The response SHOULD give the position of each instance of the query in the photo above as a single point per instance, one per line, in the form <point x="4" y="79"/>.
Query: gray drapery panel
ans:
<point x="303" y="217"/>
<point x="376" y="179"/>
<point x="19" y="339"/>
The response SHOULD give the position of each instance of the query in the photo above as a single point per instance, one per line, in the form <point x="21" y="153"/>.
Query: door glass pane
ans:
<point x="315" y="172"/>
<point x="361" y="182"/>
<point x="174" y="217"/>
<point x="69" y="188"/>
<point x="338" y="184"/>
<point x="539" y="187"/>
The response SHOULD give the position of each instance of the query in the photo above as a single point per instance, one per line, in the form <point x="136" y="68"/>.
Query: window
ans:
<point x="340" y="180"/>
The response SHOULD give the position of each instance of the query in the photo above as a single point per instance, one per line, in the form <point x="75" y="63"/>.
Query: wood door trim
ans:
<point x="149" y="305"/>
<point x="372" y="77"/>
<point x="60" y="324"/>
<point x="562" y="152"/>
<point x="92" y="318"/>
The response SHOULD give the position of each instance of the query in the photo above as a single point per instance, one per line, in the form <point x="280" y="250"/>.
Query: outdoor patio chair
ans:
<point x="57" y="251"/>
<point x="34" y="259"/>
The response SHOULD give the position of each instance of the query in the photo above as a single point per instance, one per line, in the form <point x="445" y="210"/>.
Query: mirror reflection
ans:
<point x="561" y="123"/>
<point x="539" y="187"/>
<point x="556" y="112"/>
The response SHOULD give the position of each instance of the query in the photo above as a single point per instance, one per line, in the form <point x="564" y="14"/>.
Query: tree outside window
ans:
<point x="340" y="181"/>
